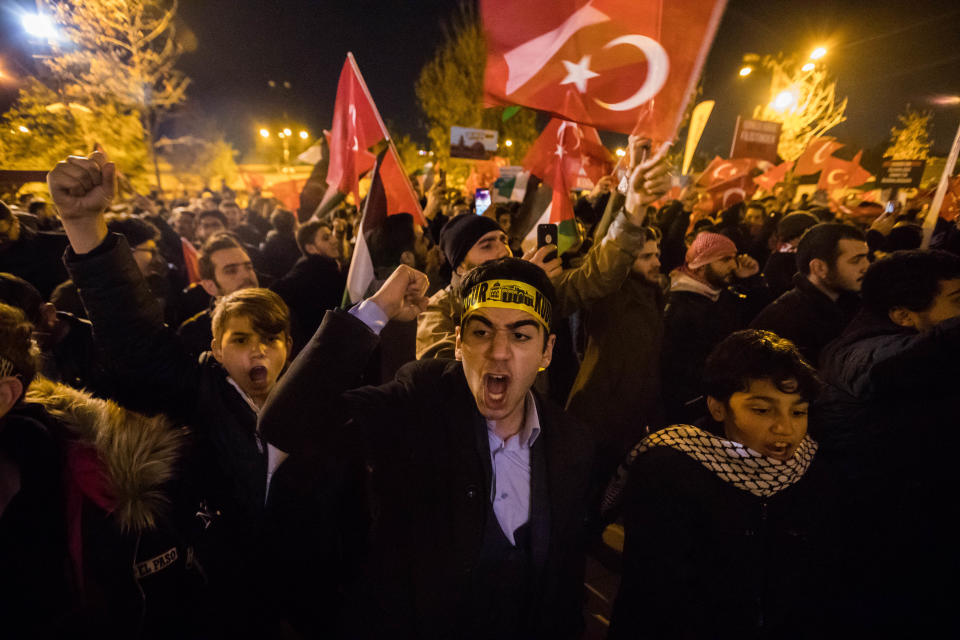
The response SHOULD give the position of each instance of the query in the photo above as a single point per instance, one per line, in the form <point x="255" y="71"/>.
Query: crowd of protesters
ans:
<point x="198" y="439"/>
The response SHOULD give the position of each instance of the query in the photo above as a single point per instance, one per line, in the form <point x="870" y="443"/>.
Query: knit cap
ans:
<point x="461" y="233"/>
<point x="709" y="247"/>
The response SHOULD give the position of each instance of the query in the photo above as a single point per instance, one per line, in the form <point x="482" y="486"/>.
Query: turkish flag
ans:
<point x="840" y="174"/>
<point x="356" y="127"/>
<point x="620" y="65"/>
<point x="560" y="154"/>
<point x="720" y="170"/>
<point x="815" y="155"/>
<point x="729" y="193"/>
<point x="774" y="176"/>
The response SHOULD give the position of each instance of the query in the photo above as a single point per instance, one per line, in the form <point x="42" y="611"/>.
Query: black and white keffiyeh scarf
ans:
<point x="732" y="462"/>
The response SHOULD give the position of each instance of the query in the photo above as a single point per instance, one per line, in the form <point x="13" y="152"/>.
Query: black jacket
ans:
<point x="312" y="287"/>
<point x="428" y="487"/>
<point x="153" y="373"/>
<point x="779" y="271"/>
<point x="806" y="316"/>
<point x="693" y="325"/>
<point x="888" y="424"/>
<point x="705" y="559"/>
<point x="35" y="257"/>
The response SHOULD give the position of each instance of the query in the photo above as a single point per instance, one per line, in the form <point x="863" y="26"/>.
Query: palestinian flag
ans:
<point x="390" y="193"/>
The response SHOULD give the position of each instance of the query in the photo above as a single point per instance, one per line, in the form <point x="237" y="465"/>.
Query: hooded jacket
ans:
<point x="123" y="537"/>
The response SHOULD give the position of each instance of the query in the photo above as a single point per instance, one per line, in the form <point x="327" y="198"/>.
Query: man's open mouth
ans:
<point x="495" y="386"/>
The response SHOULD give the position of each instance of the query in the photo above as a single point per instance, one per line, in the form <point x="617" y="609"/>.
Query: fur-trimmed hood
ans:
<point x="138" y="453"/>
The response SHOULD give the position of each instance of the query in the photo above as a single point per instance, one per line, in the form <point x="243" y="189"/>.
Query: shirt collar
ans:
<point x="531" y="425"/>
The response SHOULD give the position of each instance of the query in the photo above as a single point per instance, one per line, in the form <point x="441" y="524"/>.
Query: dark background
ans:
<point x="884" y="55"/>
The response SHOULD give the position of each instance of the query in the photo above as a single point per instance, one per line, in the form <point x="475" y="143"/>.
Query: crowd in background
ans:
<point x="767" y="391"/>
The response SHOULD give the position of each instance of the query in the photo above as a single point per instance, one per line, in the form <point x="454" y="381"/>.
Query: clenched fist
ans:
<point x="83" y="187"/>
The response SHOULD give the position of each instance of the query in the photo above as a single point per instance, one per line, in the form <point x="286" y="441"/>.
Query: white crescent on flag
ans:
<point x="818" y="157"/>
<point x="658" y="68"/>
<point x="832" y="180"/>
<point x="732" y="192"/>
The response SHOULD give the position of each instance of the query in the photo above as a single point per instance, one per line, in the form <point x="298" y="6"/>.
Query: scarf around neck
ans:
<point x="732" y="462"/>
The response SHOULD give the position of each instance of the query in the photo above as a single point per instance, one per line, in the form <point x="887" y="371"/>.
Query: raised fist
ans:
<point x="83" y="187"/>
<point x="402" y="297"/>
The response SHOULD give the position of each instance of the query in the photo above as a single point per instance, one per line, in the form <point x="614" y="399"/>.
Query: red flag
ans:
<point x="772" y="177"/>
<point x="400" y="197"/>
<point x="288" y="193"/>
<point x="720" y="170"/>
<point x="356" y="127"/>
<point x="815" y="155"/>
<point x="840" y="174"/>
<point x="729" y="193"/>
<point x="622" y="65"/>
<point x="558" y="156"/>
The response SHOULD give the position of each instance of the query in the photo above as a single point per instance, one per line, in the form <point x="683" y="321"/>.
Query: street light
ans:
<point x="621" y="152"/>
<point x="264" y="133"/>
<point x="784" y="100"/>
<point x="304" y="135"/>
<point x="287" y="132"/>
<point x="23" y="129"/>
<point x="508" y="142"/>
<point x="808" y="67"/>
<point x="39" y="26"/>
<point x="745" y="71"/>
<point x="818" y="53"/>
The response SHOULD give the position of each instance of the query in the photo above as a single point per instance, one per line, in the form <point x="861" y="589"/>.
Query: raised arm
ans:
<point x="152" y="371"/>
<point x="311" y="403"/>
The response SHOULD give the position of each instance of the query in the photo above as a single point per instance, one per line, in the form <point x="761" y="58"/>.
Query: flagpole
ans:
<point x="931" y="221"/>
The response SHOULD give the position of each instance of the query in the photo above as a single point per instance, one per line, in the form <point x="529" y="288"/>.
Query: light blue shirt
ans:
<point x="510" y="459"/>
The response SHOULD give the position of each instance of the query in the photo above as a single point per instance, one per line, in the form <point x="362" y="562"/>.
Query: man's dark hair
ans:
<point x="218" y="242"/>
<point x="822" y="242"/>
<point x="308" y="231"/>
<point x="36" y="207"/>
<point x="284" y="221"/>
<point x="212" y="213"/>
<point x="16" y="344"/>
<point x="512" y="269"/>
<point x="651" y="233"/>
<point x="267" y="311"/>
<point x="908" y="279"/>
<point x="135" y="230"/>
<point x="752" y="354"/>
<point x="17" y="292"/>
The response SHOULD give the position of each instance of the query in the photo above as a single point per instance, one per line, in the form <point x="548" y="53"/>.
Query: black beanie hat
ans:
<point x="461" y="233"/>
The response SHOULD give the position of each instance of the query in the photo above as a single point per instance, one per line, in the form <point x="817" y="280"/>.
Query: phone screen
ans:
<point x="482" y="200"/>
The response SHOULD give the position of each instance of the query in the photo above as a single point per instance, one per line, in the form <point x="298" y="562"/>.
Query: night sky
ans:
<point x="884" y="54"/>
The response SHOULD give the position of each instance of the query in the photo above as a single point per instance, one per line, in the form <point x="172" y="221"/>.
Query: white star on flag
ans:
<point x="559" y="151"/>
<point x="579" y="73"/>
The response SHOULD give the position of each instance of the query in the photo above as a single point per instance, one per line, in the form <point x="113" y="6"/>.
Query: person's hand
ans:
<point x="553" y="267"/>
<point x="648" y="183"/>
<point x="604" y="185"/>
<point x="402" y="297"/>
<point x="746" y="267"/>
<point x="884" y="222"/>
<point x="434" y="199"/>
<point x="83" y="188"/>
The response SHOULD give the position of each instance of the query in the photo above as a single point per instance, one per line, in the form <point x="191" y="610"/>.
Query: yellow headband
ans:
<point x="508" y="294"/>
